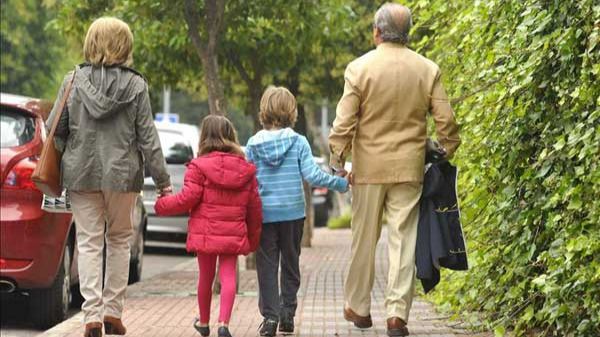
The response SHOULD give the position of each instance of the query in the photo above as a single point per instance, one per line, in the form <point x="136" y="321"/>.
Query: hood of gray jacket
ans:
<point x="105" y="90"/>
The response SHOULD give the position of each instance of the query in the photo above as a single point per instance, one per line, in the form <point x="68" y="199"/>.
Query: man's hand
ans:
<point x="350" y="178"/>
<point x="340" y="172"/>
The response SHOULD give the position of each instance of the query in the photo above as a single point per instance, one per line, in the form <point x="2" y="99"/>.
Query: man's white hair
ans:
<point x="393" y="22"/>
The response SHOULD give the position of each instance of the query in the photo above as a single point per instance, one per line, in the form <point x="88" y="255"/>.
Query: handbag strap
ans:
<point x="61" y="106"/>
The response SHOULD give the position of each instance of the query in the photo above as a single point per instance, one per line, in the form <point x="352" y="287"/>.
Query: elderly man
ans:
<point x="381" y="118"/>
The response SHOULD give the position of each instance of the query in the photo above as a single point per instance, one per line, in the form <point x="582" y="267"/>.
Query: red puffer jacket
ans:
<point x="220" y="192"/>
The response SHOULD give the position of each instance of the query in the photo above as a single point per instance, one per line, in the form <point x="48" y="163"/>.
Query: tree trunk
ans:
<point x="217" y="103"/>
<point x="310" y="218"/>
<point x="253" y="106"/>
<point x="293" y="84"/>
<point x="206" y="47"/>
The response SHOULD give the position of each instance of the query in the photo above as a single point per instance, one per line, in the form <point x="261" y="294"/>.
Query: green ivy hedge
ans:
<point x="524" y="76"/>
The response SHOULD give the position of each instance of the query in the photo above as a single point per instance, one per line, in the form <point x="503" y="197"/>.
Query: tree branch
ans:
<point x="237" y="64"/>
<point x="191" y="15"/>
<point x="474" y="92"/>
<point x="215" y="10"/>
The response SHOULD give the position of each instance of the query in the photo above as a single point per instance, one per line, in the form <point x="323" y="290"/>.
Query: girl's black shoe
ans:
<point x="203" y="330"/>
<point x="224" y="332"/>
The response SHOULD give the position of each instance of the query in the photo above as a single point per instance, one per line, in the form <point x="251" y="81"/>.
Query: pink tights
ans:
<point x="207" y="264"/>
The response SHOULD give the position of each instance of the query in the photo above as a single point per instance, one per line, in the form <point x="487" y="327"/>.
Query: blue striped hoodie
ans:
<point x="283" y="159"/>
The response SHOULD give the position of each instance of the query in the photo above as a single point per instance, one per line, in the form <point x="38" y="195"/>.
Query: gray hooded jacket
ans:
<point x="106" y="131"/>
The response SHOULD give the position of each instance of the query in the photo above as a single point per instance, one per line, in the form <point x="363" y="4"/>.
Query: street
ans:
<point x="13" y="310"/>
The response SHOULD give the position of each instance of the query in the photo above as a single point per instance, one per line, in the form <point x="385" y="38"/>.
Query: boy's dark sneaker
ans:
<point x="224" y="332"/>
<point x="286" y="324"/>
<point x="268" y="328"/>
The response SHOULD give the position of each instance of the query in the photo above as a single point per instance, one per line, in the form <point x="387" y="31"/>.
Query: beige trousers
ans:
<point x="101" y="216"/>
<point x="401" y="205"/>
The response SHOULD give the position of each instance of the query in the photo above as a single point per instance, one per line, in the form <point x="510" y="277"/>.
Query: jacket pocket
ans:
<point x="136" y="172"/>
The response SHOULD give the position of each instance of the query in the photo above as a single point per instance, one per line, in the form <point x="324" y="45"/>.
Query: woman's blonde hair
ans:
<point x="218" y="134"/>
<point x="108" y="42"/>
<point x="278" y="108"/>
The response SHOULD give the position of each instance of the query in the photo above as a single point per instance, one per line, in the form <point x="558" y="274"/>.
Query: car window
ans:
<point x="175" y="147"/>
<point x="16" y="128"/>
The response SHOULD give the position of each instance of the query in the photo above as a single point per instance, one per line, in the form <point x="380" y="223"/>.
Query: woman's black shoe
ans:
<point x="224" y="332"/>
<point x="268" y="328"/>
<point x="203" y="330"/>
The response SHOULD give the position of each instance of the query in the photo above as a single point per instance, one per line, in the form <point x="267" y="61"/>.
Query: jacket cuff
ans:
<point x="343" y="185"/>
<point x="163" y="183"/>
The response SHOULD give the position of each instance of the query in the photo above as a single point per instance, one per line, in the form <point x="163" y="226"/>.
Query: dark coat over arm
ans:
<point x="440" y="241"/>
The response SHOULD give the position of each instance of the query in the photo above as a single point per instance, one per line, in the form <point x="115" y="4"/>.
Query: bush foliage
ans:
<point x="524" y="75"/>
<point x="343" y="221"/>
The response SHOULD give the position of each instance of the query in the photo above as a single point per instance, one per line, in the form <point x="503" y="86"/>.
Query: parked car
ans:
<point x="178" y="145"/>
<point x="37" y="248"/>
<point x="189" y="131"/>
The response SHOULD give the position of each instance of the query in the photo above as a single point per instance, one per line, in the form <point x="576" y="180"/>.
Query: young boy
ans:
<point x="283" y="159"/>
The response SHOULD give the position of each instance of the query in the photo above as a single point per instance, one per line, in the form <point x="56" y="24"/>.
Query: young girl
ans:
<point x="220" y="192"/>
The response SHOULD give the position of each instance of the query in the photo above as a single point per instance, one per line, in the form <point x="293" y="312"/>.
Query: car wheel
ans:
<point x="49" y="307"/>
<point x="136" y="262"/>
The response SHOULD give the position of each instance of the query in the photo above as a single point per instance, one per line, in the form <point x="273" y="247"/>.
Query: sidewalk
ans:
<point x="165" y="305"/>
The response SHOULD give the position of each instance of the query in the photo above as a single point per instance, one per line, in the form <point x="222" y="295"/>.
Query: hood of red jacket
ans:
<point x="226" y="170"/>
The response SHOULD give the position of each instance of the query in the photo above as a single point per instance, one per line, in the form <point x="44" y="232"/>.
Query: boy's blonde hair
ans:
<point x="278" y="108"/>
<point x="108" y="42"/>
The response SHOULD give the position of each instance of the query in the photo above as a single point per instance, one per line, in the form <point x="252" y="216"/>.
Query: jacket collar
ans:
<point x="390" y="45"/>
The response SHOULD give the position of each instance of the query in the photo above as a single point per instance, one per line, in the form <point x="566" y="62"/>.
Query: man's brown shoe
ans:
<point x="361" y="322"/>
<point x="396" y="327"/>
<point x="114" y="326"/>
<point x="93" y="329"/>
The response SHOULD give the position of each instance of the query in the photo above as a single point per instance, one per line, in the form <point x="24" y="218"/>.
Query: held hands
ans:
<point x="165" y="191"/>
<point x="340" y="173"/>
<point x="343" y="174"/>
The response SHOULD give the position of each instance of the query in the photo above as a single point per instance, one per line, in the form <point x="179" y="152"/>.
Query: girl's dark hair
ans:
<point x="218" y="134"/>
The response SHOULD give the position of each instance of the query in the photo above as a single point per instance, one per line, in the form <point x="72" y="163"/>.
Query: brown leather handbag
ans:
<point x="46" y="175"/>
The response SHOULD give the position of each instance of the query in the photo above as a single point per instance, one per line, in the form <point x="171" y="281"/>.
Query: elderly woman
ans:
<point x="105" y="132"/>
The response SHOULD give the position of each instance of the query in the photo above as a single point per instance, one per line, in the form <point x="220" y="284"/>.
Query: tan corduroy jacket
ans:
<point x="381" y="116"/>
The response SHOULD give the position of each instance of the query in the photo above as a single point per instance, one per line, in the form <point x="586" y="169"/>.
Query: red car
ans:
<point x="37" y="254"/>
